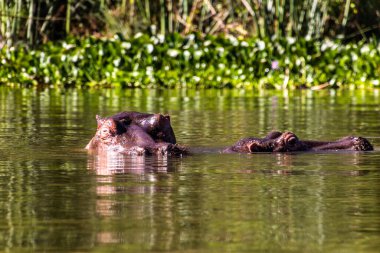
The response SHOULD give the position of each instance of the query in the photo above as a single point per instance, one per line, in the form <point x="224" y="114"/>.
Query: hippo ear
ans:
<point x="99" y="120"/>
<point x="167" y="117"/>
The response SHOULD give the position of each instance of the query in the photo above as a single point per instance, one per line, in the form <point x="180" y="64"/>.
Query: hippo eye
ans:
<point x="292" y="141"/>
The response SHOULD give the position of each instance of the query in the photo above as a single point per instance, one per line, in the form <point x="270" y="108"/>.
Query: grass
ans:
<point x="36" y="21"/>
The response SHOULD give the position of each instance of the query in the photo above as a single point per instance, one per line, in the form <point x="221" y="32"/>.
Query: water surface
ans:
<point x="54" y="197"/>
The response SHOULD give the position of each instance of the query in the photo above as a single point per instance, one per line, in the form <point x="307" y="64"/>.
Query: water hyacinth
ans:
<point x="149" y="48"/>
<point x="192" y="61"/>
<point x="260" y="45"/>
<point x="275" y="65"/>
<point x="126" y="45"/>
<point x="173" y="52"/>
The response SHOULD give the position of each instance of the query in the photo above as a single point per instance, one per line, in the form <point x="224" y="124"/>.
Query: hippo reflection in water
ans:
<point x="143" y="133"/>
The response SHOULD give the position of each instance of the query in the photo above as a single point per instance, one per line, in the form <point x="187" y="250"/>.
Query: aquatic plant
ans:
<point x="192" y="61"/>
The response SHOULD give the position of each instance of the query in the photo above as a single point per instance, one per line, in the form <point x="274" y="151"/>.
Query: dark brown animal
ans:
<point x="135" y="133"/>
<point x="288" y="142"/>
<point x="156" y="125"/>
<point x="143" y="133"/>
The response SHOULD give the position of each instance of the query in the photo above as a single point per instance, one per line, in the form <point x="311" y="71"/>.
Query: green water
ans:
<point x="56" y="198"/>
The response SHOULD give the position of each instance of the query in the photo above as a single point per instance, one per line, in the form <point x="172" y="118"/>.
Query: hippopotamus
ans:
<point x="288" y="142"/>
<point x="135" y="133"/>
<point x="156" y="125"/>
<point x="144" y="133"/>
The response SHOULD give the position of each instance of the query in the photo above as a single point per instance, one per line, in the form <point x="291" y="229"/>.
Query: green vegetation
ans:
<point x="35" y="21"/>
<point x="190" y="43"/>
<point x="192" y="61"/>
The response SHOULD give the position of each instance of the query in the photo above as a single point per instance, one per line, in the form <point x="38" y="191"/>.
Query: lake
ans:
<point x="54" y="197"/>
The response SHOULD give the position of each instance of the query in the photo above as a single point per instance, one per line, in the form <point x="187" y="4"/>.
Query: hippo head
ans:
<point x="275" y="142"/>
<point x="287" y="141"/>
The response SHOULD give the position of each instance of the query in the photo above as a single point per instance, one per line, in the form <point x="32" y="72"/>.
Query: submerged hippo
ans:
<point x="288" y="142"/>
<point x="156" y="125"/>
<point x="143" y="133"/>
<point x="135" y="133"/>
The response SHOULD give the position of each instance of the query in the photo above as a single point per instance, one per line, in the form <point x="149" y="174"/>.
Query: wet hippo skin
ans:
<point x="156" y="125"/>
<point x="135" y="133"/>
<point x="288" y="142"/>
<point x="144" y="133"/>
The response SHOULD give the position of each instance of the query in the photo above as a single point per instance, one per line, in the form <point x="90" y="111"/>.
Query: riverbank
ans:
<point x="193" y="62"/>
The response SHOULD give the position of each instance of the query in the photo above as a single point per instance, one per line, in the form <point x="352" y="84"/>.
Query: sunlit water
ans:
<point x="54" y="197"/>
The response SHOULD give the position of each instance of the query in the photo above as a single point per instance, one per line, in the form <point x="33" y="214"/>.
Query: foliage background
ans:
<point x="190" y="43"/>
<point x="38" y="21"/>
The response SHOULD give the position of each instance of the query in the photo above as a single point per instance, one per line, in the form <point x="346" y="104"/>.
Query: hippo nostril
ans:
<point x="252" y="147"/>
